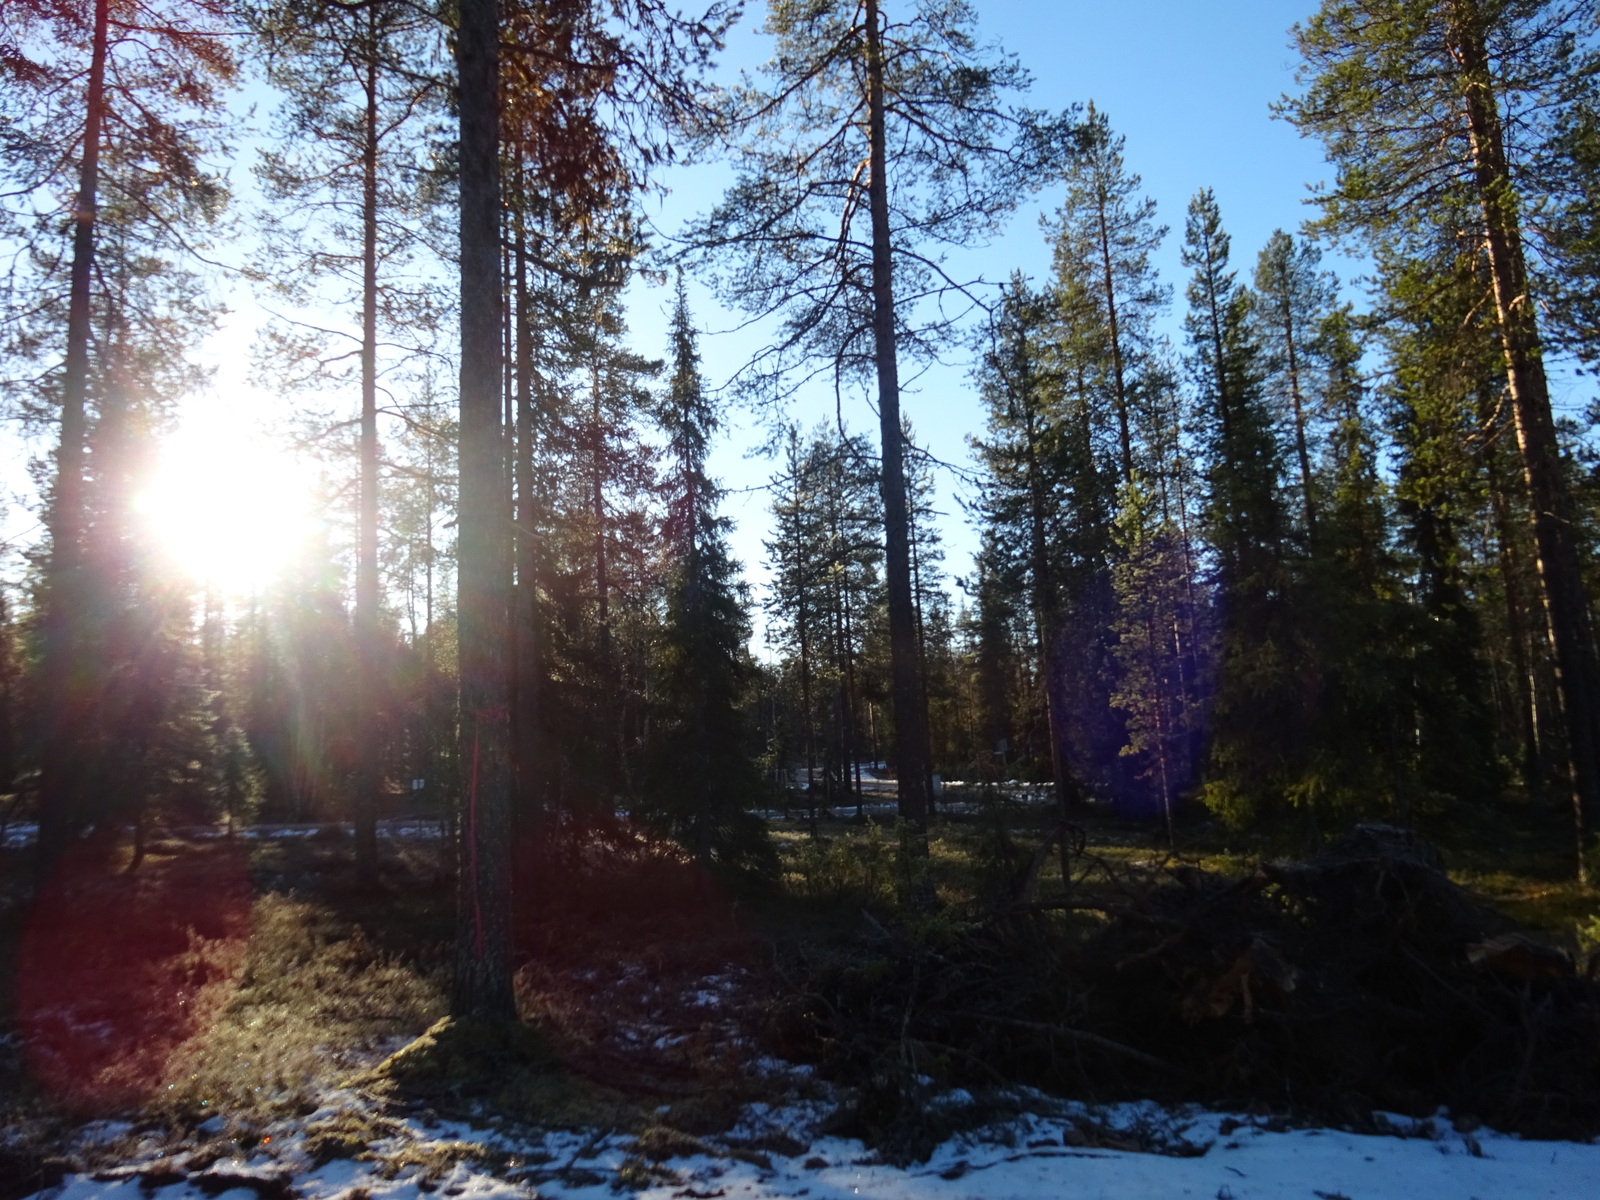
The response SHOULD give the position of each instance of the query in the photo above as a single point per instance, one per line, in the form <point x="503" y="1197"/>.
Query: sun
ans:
<point x="230" y="507"/>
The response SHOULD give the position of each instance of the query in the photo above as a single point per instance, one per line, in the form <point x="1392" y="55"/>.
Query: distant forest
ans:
<point x="1319" y="563"/>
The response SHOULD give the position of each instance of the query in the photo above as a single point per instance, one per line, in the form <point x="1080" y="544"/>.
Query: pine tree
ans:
<point x="108" y="109"/>
<point x="1413" y="102"/>
<point x="359" y="84"/>
<point x="1443" y="353"/>
<point x="838" y="249"/>
<point x="482" y="984"/>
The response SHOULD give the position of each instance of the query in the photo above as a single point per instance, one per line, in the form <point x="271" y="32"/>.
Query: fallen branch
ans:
<point x="1085" y="1037"/>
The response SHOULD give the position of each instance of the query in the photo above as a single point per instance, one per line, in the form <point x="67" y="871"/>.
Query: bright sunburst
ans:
<point x="229" y="507"/>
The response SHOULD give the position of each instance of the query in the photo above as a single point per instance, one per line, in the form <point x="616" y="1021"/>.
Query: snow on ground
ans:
<point x="771" y="1155"/>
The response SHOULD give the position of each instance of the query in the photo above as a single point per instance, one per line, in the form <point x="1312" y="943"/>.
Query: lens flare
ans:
<point x="228" y="506"/>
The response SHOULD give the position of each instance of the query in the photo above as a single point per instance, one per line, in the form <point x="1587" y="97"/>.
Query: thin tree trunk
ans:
<point x="922" y="636"/>
<point x="1113" y="331"/>
<point x="482" y="984"/>
<point x="1516" y="623"/>
<point x="597" y="504"/>
<point x="525" y="633"/>
<point x="60" y="766"/>
<point x="806" y="710"/>
<point x="1045" y="619"/>
<point x="844" y="641"/>
<point x="1566" y="607"/>
<point x="910" y="719"/>
<point x="368" y="768"/>
<point x="430" y="650"/>
<point x="1297" y="400"/>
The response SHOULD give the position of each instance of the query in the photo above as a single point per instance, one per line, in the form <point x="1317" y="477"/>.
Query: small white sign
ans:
<point x="417" y="784"/>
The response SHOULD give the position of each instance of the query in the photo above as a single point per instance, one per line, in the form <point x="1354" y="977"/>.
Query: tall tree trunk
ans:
<point x="597" y="505"/>
<point x="844" y="642"/>
<point x="60" y="765"/>
<point x="1114" y="334"/>
<point x="1046" y="613"/>
<point x="910" y="718"/>
<point x="1566" y="607"/>
<point x="525" y="633"/>
<point x="482" y="984"/>
<point x="368" y="767"/>
<point x="922" y="639"/>
<point x="1517" y="638"/>
<point x="1297" y="400"/>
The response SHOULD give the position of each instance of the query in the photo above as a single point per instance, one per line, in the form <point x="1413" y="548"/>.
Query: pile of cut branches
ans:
<point x="1361" y="980"/>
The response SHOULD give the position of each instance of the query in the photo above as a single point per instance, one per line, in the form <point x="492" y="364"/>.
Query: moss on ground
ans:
<point x="505" y="1071"/>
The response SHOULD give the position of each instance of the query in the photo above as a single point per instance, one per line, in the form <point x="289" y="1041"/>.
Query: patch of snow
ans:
<point x="1040" y="1154"/>
<point x="103" y="1133"/>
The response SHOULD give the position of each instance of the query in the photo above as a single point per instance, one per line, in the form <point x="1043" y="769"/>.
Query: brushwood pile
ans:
<point x="1361" y="981"/>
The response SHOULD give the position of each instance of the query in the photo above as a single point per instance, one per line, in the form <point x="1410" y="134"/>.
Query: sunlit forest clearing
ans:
<point x="410" y="789"/>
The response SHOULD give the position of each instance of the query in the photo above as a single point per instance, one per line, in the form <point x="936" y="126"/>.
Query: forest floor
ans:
<point x="238" y="1016"/>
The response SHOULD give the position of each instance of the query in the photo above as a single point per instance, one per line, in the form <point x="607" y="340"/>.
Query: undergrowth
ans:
<point x="648" y="989"/>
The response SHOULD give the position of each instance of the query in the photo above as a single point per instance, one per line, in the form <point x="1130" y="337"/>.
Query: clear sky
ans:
<point x="1189" y="86"/>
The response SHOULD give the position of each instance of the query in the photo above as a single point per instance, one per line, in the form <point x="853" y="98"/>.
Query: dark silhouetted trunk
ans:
<point x="910" y="718"/>
<point x="525" y="735"/>
<point x="65" y="686"/>
<point x="369" y="771"/>
<point x="1119" y="386"/>
<point x="482" y="984"/>
<point x="1566" y="607"/>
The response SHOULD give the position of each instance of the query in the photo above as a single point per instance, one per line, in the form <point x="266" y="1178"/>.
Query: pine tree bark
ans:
<point x="1566" y="607"/>
<point x="597" y="509"/>
<point x="1046" y="617"/>
<point x="1302" y="449"/>
<point x="482" y="984"/>
<point x="1517" y="632"/>
<point x="1114" y="336"/>
<point x="368" y="769"/>
<point x="60" y="801"/>
<point x="910" y="719"/>
<point x="525" y="633"/>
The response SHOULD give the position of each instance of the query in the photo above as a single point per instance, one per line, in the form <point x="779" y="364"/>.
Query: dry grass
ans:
<point x="292" y="983"/>
<point x="316" y="999"/>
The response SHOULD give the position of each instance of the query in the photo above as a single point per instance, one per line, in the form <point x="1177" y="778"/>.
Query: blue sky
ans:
<point x="1188" y="85"/>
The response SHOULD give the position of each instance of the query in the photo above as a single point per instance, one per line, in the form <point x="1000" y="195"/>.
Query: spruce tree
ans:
<point x="1360" y="621"/>
<point x="1293" y="295"/>
<point x="702" y="778"/>
<point x="1044" y="498"/>
<point x="794" y="600"/>
<point x="825" y="590"/>
<point x="1154" y="624"/>
<point x="1442" y="349"/>
<point x="1256" y="719"/>
<point x="1104" y="235"/>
